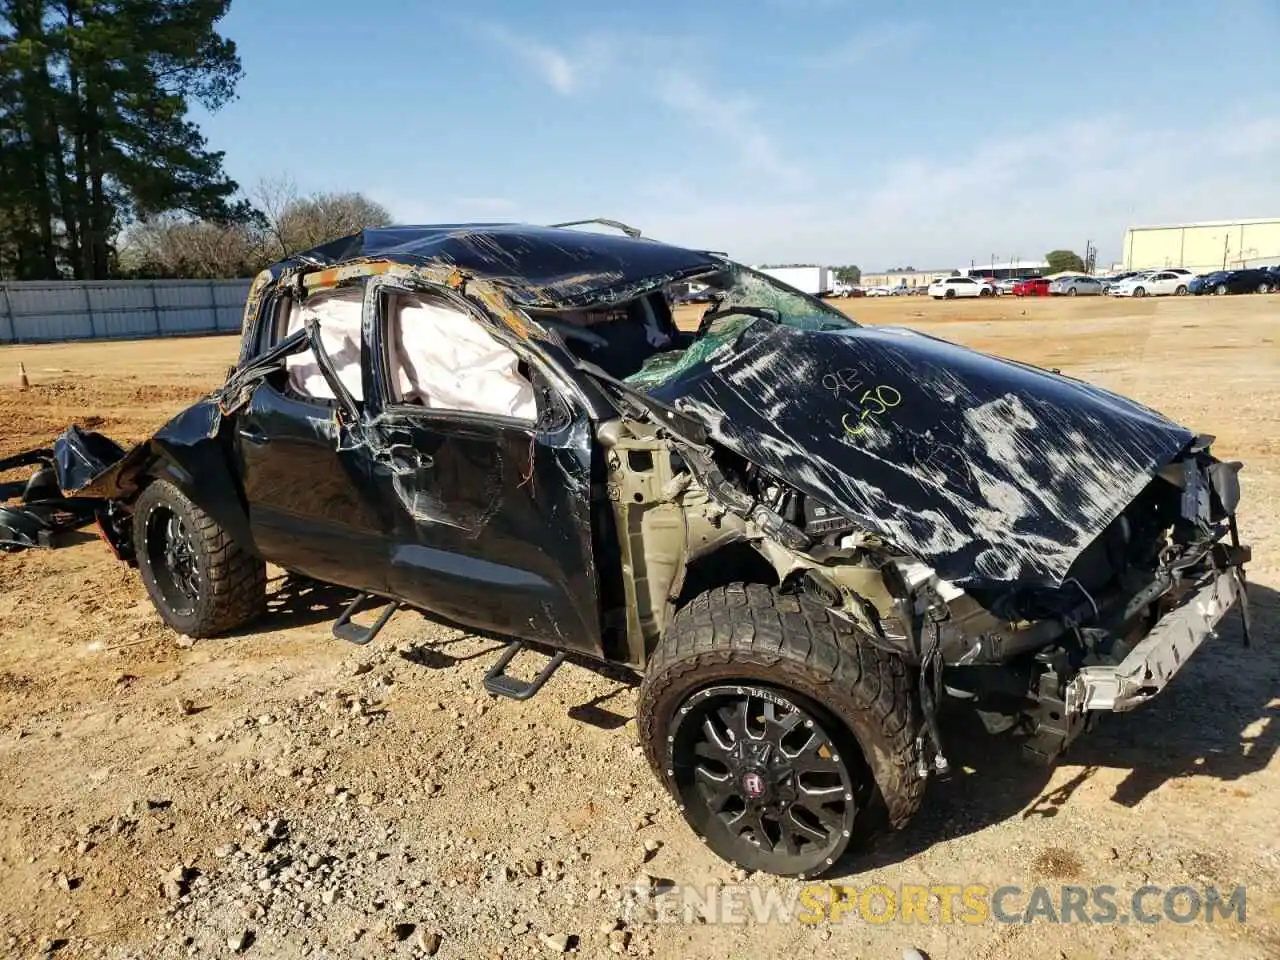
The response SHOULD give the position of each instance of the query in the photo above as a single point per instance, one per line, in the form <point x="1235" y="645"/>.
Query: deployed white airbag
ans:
<point x="338" y="314"/>
<point x="443" y="359"/>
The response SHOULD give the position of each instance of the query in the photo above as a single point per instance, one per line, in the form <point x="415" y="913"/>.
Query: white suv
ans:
<point x="960" y="287"/>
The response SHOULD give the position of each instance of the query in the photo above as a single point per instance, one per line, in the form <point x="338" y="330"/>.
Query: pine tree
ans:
<point x="94" y="98"/>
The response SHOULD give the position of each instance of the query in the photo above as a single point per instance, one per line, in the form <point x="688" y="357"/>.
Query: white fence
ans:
<point x="40" y="311"/>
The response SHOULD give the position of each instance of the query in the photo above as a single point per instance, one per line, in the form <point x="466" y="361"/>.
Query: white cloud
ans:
<point x="871" y="41"/>
<point x="733" y="120"/>
<point x="565" y="71"/>
<point x="1012" y="196"/>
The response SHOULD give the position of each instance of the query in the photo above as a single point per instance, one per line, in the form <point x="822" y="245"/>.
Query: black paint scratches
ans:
<point x="989" y="470"/>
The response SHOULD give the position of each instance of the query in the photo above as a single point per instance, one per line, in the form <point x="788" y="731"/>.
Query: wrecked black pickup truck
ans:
<point x="805" y="534"/>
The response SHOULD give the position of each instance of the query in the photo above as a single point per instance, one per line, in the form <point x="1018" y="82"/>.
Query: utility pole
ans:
<point x="1226" y="242"/>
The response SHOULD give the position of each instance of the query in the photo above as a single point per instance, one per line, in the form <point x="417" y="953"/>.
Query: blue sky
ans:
<point x="837" y="131"/>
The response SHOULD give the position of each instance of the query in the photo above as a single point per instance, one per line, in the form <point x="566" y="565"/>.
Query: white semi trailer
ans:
<point x="814" y="280"/>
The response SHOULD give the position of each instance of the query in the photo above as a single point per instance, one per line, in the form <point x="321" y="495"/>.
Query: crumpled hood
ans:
<point x="990" y="471"/>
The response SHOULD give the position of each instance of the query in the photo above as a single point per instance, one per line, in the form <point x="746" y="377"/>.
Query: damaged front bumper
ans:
<point x="1069" y="700"/>
<point x="1152" y="663"/>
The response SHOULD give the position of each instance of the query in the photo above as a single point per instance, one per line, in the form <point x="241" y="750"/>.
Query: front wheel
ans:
<point x="1071" y="292"/>
<point x="782" y="736"/>
<point x="1180" y="292"/>
<point x="1220" y="289"/>
<point x="201" y="581"/>
<point x="1264" y="288"/>
<point x="1139" y="292"/>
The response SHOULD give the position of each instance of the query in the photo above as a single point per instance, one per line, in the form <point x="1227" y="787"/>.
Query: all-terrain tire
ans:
<point x="230" y="583"/>
<point x="751" y="634"/>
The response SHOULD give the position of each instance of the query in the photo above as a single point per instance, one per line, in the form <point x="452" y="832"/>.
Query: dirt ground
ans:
<point x="319" y="799"/>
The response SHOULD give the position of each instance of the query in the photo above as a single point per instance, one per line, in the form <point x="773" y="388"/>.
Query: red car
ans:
<point x="1032" y="287"/>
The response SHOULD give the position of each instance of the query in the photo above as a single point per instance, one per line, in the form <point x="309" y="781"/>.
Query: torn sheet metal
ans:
<point x="989" y="470"/>
<point x="34" y="511"/>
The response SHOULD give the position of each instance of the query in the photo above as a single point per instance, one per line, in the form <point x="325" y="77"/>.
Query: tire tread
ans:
<point x="796" y="643"/>
<point x="236" y="580"/>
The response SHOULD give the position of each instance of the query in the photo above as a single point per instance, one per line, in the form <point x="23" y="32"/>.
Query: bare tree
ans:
<point x="273" y="197"/>
<point x="295" y="223"/>
<point x="284" y="223"/>
<point x="171" y="245"/>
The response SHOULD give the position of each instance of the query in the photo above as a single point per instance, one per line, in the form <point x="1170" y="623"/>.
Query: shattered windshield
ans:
<point x="738" y="298"/>
<point x="739" y="291"/>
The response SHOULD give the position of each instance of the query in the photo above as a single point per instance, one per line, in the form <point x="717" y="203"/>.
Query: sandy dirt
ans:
<point x="319" y="799"/>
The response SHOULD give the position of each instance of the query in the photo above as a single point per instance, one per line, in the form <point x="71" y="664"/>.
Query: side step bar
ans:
<point x="344" y="629"/>
<point x="499" y="684"/>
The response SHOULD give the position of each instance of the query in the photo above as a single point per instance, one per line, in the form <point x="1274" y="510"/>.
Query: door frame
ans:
<point x="564" y="422"/>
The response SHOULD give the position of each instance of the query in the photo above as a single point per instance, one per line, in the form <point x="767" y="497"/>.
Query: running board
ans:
<point x="344" y="629"/>
<point x="499" y="684"/>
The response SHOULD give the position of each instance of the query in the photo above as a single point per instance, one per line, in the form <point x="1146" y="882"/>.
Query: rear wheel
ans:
<point x="781" y="735"/>
<point x="201" y="581"/>
<point x="951" y="294"/>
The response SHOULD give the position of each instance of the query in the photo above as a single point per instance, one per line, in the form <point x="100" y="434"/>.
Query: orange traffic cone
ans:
<point x="23" y="382"/>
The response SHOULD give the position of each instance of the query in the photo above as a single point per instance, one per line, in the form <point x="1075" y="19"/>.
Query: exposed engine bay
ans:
<point x="679" y="507"/>
<point x="1010" y="647"/>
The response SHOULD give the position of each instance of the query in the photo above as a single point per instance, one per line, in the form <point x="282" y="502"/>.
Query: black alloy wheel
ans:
<point x="760" y="775"/>
<point x="202" y="582"/>
<point x="172" y="553"/>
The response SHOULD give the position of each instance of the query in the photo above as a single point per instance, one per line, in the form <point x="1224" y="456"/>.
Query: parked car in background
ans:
<point x="879" y="291"/>
<point x="1032" y="287"/>
<point x="951" y="287"/>
<point x="1076" y="286"/>
<point x="1160" y="284"/>
<point x="1005" y="287"/>
<point x="1251" y="280"/>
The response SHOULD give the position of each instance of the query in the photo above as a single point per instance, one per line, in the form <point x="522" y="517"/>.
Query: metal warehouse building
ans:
<point x="1202" y="247"/>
